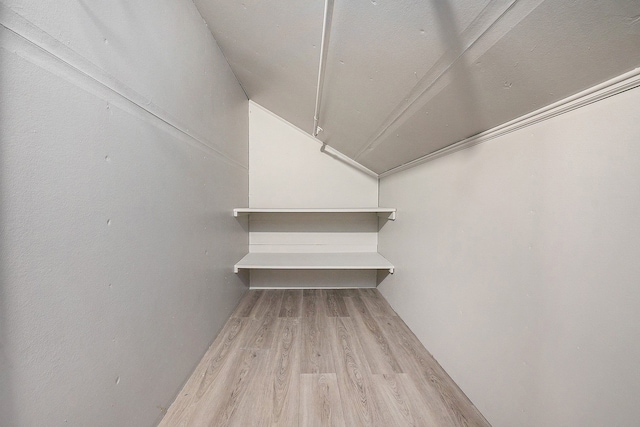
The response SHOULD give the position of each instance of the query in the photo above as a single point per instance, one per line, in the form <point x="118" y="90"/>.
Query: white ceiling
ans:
<point x="405" y="78"/>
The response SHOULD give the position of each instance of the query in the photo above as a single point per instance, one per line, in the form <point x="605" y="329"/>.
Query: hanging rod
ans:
<point x="326" y="29"/>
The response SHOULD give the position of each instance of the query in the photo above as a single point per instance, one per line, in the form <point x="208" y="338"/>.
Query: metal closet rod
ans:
<point x="326" y="29"/>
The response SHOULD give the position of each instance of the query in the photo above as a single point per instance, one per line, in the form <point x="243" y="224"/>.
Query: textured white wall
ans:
<point x="517" y="266"/>
<point x="123" y="149"/>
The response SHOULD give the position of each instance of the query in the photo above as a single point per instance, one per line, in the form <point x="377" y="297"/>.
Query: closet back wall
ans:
<point x="124" y="148"/>
<point x="288" y="170"/>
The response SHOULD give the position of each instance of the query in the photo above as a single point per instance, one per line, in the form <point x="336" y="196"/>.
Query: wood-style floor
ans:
<point x="319" y="358"/>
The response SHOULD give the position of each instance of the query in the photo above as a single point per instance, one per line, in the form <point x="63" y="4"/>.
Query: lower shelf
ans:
<point x="315" y="261"/>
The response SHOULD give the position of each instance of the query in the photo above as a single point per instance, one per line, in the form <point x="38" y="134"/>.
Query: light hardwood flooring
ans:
<point x="319" y="358"/>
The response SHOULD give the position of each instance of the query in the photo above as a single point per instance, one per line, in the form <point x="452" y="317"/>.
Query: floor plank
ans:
<point x="377" y="351"/>
<point x="448" y="402"/>
<point x="404" y="403"/>
<point x="320" y="404"/>
<point x="319" y="358"/>
<point x="244" y="370"/>
<point x="291" y="303"/>
<point x="334" y="303"/>
<point x="248" y="303"/>
<point x="311" y="302"/>
<point x="284" y="374"/>
<point x="354" y="381"/>
<point x="375" y="302"/>
<point x="269" y="304"/>
<point x="317" y="355"/>
<point x="197" y="389"/>
<point x="260" y="332"/>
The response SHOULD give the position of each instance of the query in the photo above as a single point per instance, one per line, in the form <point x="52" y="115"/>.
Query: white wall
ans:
<point x="124" y="146"/>
<point x="288" y="170"/>
<point x="517" y="267"/>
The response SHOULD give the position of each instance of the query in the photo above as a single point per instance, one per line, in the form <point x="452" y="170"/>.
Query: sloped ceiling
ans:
<point x="405" y="78"/>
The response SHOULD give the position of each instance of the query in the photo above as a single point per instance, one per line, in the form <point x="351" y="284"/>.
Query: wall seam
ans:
<point x="51" y="55"/>
<point x="222" y="51"/>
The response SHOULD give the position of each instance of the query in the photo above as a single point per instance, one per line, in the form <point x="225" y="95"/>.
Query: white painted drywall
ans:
<point x="313" y="232"/>
<point x="517" y="267"/>
<point x="288" y="170"/>
<point x="120" y="163"/>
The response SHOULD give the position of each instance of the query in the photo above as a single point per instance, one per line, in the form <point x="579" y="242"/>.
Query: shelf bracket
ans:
<point x="391" y="216"/>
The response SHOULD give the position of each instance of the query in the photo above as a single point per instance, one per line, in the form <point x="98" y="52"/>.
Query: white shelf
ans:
<point x="315" y="261"/>
<point x="389" y="213"/>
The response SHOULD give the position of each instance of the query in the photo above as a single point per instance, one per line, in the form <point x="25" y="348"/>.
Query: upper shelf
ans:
<point x="389" y="213"/>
